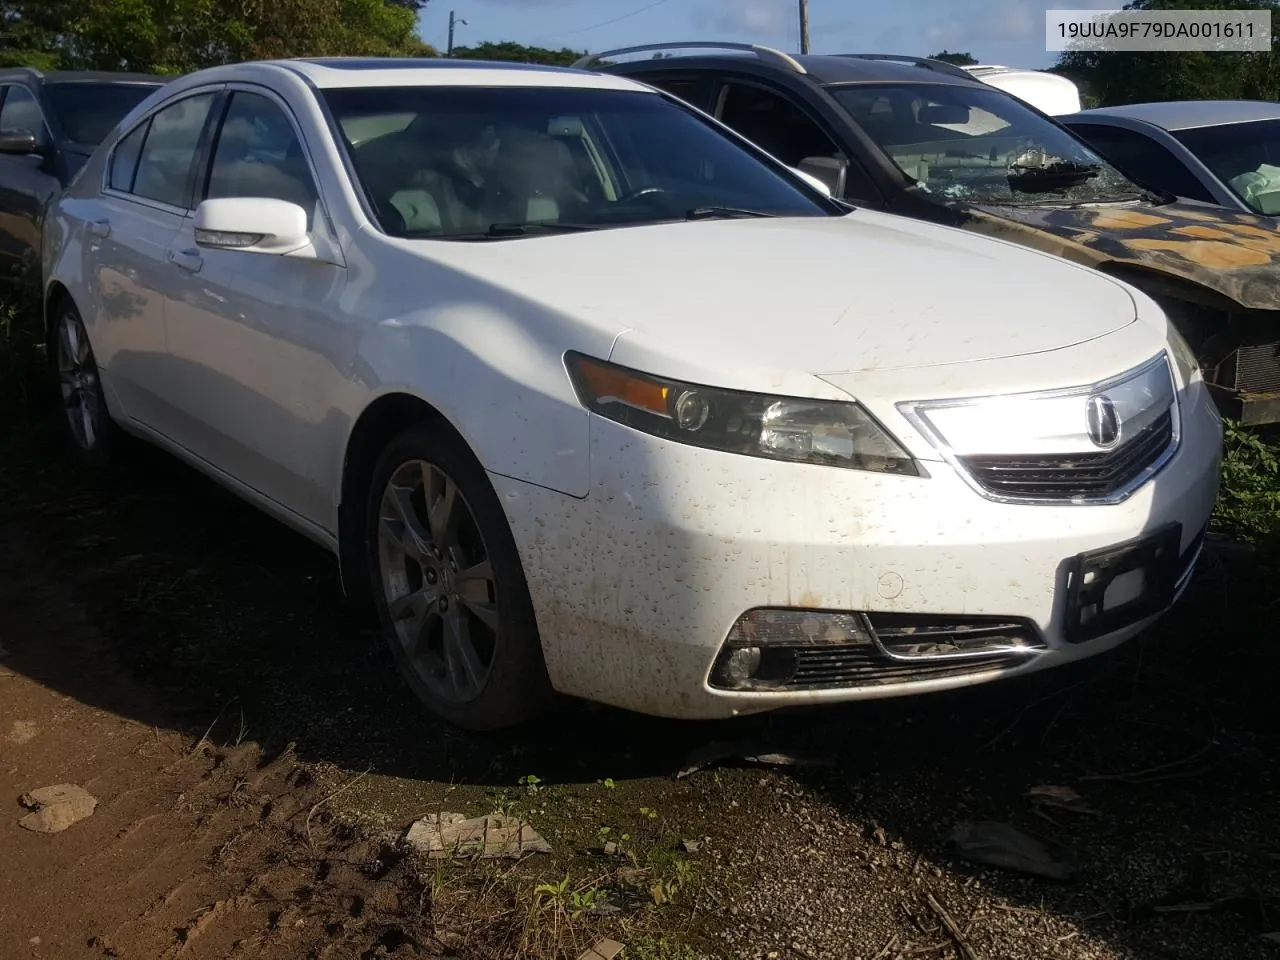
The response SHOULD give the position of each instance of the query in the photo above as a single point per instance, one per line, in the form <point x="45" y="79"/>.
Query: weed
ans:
<point x="659" y="948"/>
<point x="530" y="782"/>
<point x="607" y="783"/>
<point x="1249" y="504"/>
<point x="649" y="812"/>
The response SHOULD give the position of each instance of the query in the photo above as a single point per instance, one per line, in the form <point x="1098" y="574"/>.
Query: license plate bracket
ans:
<point x="1112" y="588"/>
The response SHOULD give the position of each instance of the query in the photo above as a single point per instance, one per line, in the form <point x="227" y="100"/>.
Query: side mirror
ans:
<point x="831" y="172"/>
<point x="813" y="181"/>
<point x="20" y="142"/>
<point x="253" y="225"/>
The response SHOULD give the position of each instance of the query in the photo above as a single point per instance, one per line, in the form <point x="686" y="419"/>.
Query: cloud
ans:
<point x="993" y="21"/>
<point x="761" y="18"/>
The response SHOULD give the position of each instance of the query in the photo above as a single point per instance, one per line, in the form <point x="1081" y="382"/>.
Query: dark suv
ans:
<point x="49" y="124"/>
<point x="925" y="139"/>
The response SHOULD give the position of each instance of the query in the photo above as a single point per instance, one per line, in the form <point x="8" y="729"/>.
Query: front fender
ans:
<point x="506" y="392"/>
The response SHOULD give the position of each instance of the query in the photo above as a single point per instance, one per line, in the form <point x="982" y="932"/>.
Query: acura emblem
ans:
<point x="1104" y="422"/>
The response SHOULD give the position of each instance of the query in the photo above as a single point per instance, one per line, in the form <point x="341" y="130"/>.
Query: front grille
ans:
<point x="1077" y="476"/>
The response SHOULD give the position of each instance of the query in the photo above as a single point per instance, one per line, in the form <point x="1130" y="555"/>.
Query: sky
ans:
<point x="1009" y="32"/>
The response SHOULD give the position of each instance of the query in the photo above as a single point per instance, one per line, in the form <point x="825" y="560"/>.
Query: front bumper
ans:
<point x="637" y="586"/>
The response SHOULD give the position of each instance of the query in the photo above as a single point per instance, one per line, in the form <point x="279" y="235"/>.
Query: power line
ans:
<point x="607" y="23"/>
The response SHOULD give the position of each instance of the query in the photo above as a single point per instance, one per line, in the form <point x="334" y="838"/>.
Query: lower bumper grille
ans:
<point x="1079" y="476"/>
<point x="894" y="649"/>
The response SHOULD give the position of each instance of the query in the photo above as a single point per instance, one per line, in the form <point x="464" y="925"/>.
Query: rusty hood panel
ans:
<point x="1232" y="254"/>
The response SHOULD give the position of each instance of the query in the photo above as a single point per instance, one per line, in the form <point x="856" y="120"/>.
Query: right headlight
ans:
<point x="1184" y="358"/>
<point x="828" y="432"/>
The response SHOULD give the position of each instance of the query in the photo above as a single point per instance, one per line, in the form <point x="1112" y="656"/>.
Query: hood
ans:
<point x="867" y="291"/>
<point x="1234" y="255"/>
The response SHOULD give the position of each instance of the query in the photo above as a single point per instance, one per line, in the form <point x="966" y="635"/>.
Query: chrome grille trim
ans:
<point x="1149" y="394"/>
<point x="1073" y="476"/>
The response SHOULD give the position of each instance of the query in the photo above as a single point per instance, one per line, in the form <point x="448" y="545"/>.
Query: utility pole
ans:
<point x="804" y="26"/>
<point x="453" y="20"/>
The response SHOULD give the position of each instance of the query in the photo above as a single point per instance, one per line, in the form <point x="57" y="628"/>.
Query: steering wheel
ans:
<point x="641" y="194"/>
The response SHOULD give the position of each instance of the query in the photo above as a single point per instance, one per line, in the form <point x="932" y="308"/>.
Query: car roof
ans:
<point x="825" y="69"/>
<point x="332" y="72"/>
<point x="853" y="68"/>
<point x="1188" y="114"/>
<point x="83" y="76"/>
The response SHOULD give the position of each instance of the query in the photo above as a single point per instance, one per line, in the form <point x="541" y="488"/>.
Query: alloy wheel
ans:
<point x="438" y="582"/>
<point x="78" y="381"/>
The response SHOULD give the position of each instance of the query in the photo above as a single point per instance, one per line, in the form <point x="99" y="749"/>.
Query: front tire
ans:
<point x="85" y="420"/>
<point x="448" y="585"/>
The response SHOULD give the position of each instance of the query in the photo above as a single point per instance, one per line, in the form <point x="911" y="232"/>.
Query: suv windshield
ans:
<point x="475" y="162"/>
<point x="88" y="111"/>
<point x="970" y="143"/>
<point x="1244" y="156"/>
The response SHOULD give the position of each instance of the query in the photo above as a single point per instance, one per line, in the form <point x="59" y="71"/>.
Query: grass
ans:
<point x="1249" y="505"/>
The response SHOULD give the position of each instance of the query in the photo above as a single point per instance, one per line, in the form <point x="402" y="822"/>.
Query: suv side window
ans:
<point x="785" y="130"/>
<point x="258" y="154"/>
<point x="1140" y="157"/>
<point x="20" y="112"/>
<point x="166" y="163"/>
<point x="690" y="89"/>
<point x="774" y="123"/>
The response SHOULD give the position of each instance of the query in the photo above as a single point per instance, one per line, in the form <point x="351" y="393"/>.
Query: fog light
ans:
<point x="740" y="666"/>
<point x="795" y="628"/>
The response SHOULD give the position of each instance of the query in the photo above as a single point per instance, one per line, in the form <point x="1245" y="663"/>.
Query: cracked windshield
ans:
<point x="978" y="145"/>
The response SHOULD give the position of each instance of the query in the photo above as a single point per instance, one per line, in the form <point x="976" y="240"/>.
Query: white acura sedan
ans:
<point x="590" y="396"/>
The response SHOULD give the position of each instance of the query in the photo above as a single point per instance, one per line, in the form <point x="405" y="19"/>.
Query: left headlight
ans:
<point x="827" y="432"/>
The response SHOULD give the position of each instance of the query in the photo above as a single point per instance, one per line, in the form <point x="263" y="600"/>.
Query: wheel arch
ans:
<point x="377" y="424"/>
<point x="54" y="293"/>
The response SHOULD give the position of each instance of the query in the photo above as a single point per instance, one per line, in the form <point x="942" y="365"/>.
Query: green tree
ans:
<point x="519" y="53"/>
<point x="177" y="36"/>
<point x="1122" y="77"/>
<point x="959" y="59"/>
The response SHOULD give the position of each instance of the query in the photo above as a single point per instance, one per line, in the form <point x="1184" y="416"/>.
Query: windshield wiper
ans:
<point x="724" y="213"/>
<point x="503" y="231"/>
<point x="525" y="229"/>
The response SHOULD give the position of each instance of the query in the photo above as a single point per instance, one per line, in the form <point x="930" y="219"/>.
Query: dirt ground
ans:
<point x="254" y="758"/>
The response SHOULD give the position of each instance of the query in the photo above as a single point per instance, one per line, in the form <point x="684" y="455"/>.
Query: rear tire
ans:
<point x="448" y="585"/>
<point x="85" y="419"/>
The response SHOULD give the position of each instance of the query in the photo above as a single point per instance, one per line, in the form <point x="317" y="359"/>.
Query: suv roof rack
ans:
<point x="927" y="62"/>
<point x="764" y="53"/>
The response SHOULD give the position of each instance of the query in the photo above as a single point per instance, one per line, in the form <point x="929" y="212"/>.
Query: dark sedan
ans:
<point x="49" y="124"/>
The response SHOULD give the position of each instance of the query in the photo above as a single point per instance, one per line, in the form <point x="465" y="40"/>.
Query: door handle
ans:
<point x="100" y="228"/>
<point x="189" y="260"/>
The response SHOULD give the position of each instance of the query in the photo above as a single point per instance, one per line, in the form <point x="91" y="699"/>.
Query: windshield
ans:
<point x="87" y="112"/>
<point x="475" y="162"/>
<point x="1244" y="156"/>
<point x="982" y="145"/>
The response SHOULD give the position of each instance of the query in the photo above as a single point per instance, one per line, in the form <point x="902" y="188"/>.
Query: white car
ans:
<point x="588" y="395"/>
<point x="1047" y="92"/>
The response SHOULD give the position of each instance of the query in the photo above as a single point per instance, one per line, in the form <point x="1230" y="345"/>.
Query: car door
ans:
<point x="1142" y="159"/>
<point x="28" y="181"/>
<point x="254" y="335"/>
<point x="145" y="194"/>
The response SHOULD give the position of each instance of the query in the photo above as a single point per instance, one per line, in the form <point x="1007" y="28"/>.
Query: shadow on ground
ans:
<point x="231" y="624"/>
